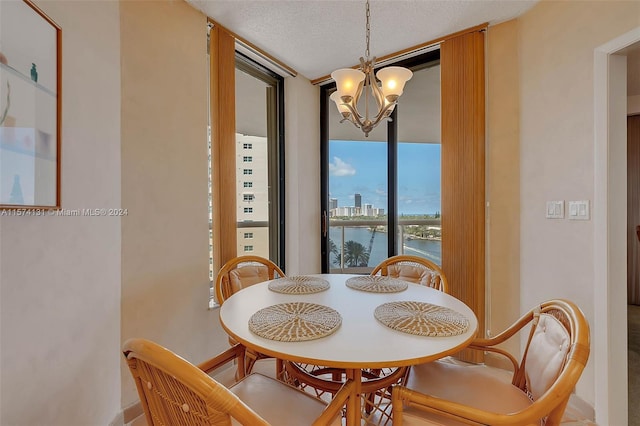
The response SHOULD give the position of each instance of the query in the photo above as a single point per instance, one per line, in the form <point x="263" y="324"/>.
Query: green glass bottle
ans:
<point x="34" y="73"/>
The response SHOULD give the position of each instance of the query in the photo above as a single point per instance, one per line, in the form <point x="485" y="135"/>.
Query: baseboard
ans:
<point x="582" y="407"/>
<point x="132" y="412"/>
<point x="118" y="420"/>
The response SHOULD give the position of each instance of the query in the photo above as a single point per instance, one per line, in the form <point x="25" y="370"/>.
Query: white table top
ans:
<point x="361" y="341"/>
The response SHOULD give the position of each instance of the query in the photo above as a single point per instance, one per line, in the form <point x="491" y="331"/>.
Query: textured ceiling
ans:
<point x="316" y="37"/>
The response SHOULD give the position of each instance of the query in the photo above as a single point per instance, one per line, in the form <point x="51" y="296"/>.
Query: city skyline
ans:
<point x="357" y="167"/>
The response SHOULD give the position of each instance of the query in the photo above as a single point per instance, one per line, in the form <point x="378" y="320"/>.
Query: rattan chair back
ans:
<point x="413" y="269"/>
<point x="175" y="392"/>
<point x="244" y="271"/>
<point x="554" y="357"/>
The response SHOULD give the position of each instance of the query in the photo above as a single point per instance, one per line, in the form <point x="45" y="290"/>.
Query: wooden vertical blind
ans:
<point x="223" y="134"/>
<point x="463" y="172"/>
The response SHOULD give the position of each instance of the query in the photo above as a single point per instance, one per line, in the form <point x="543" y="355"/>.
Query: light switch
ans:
<point x="579" y="210"/>
<point x="555" y="209"/>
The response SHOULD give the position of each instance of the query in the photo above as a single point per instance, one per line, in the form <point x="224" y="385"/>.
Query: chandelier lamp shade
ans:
<point x="385" y="87"/>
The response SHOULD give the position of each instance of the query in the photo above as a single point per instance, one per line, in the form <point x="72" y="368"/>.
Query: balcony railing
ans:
<point x="342" y="230"/>
<point x="425" y="243"/>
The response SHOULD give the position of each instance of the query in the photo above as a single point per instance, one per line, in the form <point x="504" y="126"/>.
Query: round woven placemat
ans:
<point x="295" y="321"/>
<point x="377" y="284"/>
<point x="299" y="285"/>
<point x="422" y="319"/>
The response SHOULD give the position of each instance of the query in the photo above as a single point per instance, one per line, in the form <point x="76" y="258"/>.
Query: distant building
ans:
<point x="345" y="211"/>
<point x="252" y="195"/>
<point x="353" y="211"/>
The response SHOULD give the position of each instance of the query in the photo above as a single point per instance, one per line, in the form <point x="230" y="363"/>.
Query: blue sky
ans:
<point x="361" y="167"/>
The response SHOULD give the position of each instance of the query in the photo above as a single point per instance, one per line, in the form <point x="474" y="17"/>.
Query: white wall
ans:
<point x="165" y="244"/>
<point x="557" y="42"/>
<point x="302" y="176"/>
<point x="503" y="182"/>
<point x="60" y="276"/>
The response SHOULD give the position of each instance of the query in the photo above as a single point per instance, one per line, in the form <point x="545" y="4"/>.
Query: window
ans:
<point x="258" y="114"/>
<point x="248" y="235"/>
<point x="248" y="248"/>
<point x="248" y="197"/>
<point x="462" y="154"/>
<point x="382" y="192"/>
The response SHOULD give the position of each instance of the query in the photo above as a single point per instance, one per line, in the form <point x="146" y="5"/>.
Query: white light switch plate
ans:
<point x="555" y="209"/>
<point x="579" y="210"/>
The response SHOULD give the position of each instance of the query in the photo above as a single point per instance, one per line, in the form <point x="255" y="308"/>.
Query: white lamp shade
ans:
<point x="347" y="80"/>
<point x="335" y="97"/>
<point x="393" y="80"/>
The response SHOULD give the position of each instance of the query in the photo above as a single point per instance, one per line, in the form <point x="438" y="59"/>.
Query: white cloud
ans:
<point x="340" y="168"/>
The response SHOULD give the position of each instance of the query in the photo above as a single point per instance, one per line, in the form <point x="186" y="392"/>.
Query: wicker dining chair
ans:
<point x="241" y="272"/>
<point x="174" y="392"/>
<point x="554" y="357"/>
<point x="244" y="271"/>
<point x="413" y="269"/>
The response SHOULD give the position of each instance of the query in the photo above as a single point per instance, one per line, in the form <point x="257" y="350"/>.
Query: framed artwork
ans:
<point x="30" y="103"/>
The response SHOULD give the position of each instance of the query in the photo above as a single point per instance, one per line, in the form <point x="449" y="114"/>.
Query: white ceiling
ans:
<point x="316" y="37"/>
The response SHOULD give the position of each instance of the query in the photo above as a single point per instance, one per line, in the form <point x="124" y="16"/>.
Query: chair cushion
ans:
<point x="473" y="385"/>
<point x="546" y="356"/>
<point x="278" y="403"/>
<point x="415" y="274"/>
<point x="246" y="276"/>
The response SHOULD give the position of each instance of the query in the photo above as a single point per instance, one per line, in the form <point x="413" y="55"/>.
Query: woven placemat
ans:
<point x="295" y="321"/>
<point x="422" y="319"/>
<point x="377" y="284"/>
<point x="299" y="285"/>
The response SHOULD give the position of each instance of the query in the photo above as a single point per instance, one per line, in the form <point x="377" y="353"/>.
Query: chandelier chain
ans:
<point x="351" y="84"/>
<point x="368" y="14"/>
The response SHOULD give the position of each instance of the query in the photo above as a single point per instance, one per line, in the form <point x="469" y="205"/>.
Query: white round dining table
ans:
<point x="361" y="341"/>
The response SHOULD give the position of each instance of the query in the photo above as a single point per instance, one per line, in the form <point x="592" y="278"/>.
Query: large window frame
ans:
<point x="415" y="63"/>
<point x="224" y="58"/>
<point x="276" y="167"/>
<point x="463" y="193"/>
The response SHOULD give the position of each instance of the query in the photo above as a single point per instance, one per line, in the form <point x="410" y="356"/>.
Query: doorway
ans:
<point x="610" y="208"/>
<point x="633" y="249"/>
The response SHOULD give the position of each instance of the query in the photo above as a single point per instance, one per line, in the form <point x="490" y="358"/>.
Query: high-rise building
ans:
<point x="252" y="195"/>
<point x="333" y="203"/>
<point x="358" y="200"/>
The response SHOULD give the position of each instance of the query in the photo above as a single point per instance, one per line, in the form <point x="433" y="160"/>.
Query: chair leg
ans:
<point x="280" y="369"/>
<point x="251" y="358"/>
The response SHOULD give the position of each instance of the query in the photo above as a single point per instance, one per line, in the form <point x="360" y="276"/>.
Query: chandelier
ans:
<point x="351" y="83"/>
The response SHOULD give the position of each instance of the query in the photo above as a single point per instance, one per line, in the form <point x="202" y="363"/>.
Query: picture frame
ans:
<point x="30" y="107"/>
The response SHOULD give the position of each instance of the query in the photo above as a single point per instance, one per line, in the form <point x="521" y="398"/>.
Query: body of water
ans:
<point x="428" y="249"/>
